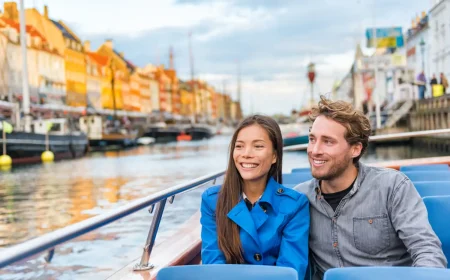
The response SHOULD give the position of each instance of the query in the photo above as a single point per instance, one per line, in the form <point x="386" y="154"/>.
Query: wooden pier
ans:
<point x="430" y="114"/>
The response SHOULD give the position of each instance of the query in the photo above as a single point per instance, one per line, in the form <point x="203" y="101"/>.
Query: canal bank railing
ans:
<point x="156" y="203"/>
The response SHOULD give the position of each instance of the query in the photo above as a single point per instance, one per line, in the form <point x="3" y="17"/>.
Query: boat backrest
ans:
<point x="296" y="178"/>
<point x="438" y="208"/>
<point x="226" y="272"/>
<point x="387" y="273"/>
<point x="433" y="188"/>
<point x="417" y="176"/>
<point x="427" y="167"/>
<point x="304" y="169"/>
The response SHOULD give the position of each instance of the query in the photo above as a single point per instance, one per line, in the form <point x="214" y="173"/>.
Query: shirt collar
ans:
<point x="271" y="188"/>
<point x="244" y="196"/>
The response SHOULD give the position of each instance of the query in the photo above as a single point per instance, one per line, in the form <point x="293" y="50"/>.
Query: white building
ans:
<point x="45" y="67"/>
<point x="418" y="45"/>
<point x="439" y="38"/>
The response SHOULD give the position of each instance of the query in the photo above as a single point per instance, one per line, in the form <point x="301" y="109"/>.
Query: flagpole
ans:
<point x="46" y="141"/>
<point x="4" y="141"/>
<point x="25" y="87"/>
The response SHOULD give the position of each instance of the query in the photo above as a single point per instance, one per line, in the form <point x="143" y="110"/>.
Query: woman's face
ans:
<point x="253" y="153"/>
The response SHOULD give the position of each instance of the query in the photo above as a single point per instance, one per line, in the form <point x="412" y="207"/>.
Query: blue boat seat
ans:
<point x="296" y="178"/>
<point x="433" y="188"/>
<point x="226" y="272"/>
<point x="438" y="208"/>
<point x="425" y="167"/>
<point x="417" y="176"/>
<point x="387" y="273"/>
<point x="304" y="169"/>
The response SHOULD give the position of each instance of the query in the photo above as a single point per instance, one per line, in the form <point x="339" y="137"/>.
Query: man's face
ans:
<point x="329" y="153"/>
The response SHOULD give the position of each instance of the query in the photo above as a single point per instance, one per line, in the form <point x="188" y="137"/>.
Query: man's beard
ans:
<point x="336" y="170"/>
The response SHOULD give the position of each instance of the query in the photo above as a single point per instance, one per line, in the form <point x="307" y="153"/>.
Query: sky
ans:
<point x="273" y="41"/>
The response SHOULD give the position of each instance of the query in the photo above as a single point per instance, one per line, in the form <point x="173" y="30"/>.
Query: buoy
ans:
<point x="47" y="156"/>
<point x="5" y="161"/>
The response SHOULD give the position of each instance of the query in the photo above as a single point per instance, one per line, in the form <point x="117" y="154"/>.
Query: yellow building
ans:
<point x="187" y="100"/>
<point x="75" y="66"/>
<point x="121" y="71"/>
<point x="43" y="24"/>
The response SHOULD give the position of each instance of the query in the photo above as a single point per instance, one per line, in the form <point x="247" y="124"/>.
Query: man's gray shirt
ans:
<point x="382" y="221"/>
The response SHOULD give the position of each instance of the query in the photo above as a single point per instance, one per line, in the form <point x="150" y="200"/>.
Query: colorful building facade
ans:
<point x="75" y="67"/>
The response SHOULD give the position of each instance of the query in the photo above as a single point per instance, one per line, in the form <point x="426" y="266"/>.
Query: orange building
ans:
<point x="214" y="103"/>
<point x="145" y="91"/>
<point x="173" y="91"/>
<point x="98" y="79"/>
<point x="121" y="70"/>
<point x="134" y="102"/>
<point x="165" y="104"/>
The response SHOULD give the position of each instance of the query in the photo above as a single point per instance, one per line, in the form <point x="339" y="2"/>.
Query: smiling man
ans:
<point x="361" y="215"/>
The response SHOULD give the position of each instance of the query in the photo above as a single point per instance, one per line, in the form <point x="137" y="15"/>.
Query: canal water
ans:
<point x="38" y="199"/>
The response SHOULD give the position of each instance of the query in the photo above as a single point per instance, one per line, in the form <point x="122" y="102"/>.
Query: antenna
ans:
<point x="238" y="81"/>
<point x="171" y="65"/>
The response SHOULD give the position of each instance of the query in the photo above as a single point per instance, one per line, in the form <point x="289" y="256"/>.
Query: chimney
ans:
<point x="46" y="11"/>
<point x="10" y="11"/>
<point x="109" y="43"/>
<point x="87" y="46"/>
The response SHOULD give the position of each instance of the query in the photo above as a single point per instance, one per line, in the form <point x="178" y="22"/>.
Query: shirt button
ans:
<point x="280" y="191"/>
<point x="370" y="221"/>
<point x="257" y="257"/>
<point x="334" y="220"/>
<point x="335" y="244"/>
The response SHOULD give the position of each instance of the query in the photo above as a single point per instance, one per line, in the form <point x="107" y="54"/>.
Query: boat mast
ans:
<point x="194" y="86"/>
<point x="113" y="74"/>
<point x="239" y="82"/>
<point x="25" y="87"/>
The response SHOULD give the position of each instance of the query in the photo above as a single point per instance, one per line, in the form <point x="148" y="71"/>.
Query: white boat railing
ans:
<point x="157" y="202"/>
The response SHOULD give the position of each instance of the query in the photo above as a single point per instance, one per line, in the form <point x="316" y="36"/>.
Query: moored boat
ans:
<point x="27" y="147"/>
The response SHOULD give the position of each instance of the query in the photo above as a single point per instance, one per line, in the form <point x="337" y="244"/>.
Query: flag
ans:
<point x="6" y="127"/>
<point x="48" y="125"/>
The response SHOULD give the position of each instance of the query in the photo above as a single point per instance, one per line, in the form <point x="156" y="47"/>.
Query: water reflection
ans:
<point x="41" y="198"/>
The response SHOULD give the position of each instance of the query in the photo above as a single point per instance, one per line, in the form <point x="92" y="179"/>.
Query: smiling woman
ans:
<point x="252" y="218"/>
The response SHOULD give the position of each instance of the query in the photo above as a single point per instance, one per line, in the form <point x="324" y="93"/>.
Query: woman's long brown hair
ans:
<point x="230" y="193"/>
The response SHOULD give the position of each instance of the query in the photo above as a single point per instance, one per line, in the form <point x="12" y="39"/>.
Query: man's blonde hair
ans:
<point x="355" y="122"/>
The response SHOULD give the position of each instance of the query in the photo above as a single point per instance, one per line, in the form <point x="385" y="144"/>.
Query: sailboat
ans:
<point x="30" y="138"/>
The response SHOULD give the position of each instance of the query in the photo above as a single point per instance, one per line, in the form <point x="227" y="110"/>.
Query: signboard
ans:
<point x="384" y="62"/>
<point x="385" y="37"/>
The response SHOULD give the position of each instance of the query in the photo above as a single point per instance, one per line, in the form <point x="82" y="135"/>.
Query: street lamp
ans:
<point x="311" y="77"/>
<point x="422" y="50"/>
